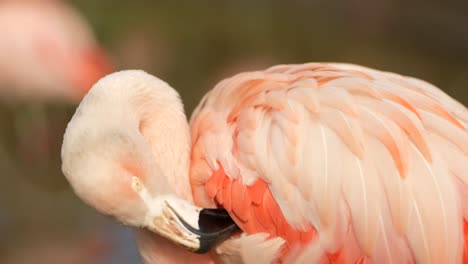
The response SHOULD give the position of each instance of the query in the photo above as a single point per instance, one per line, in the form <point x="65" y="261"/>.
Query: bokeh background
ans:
<point x="193" y="45"/>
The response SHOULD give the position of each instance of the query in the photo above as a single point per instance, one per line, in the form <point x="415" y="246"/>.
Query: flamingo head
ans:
<point x="126" y="153"/>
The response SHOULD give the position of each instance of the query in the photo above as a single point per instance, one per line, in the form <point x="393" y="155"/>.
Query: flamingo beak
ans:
<point x="191" y="227"/>
<point x="92" y="65"/>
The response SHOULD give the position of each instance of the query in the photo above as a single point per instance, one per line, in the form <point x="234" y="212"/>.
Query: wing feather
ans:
<point x="374" y="163"/>
<point x="347" y="128"/>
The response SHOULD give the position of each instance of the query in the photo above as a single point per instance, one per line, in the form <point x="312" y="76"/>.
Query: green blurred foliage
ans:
<point x="193" y="44"/>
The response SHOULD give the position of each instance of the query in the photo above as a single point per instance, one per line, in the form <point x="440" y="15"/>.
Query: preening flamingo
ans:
<point x="315" y="163"/>
<point x="51" y="44"/>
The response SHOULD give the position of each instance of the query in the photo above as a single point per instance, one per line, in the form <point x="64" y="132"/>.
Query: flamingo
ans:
<point x="305" y="163"/>
<point x="52" y="44"/>
<point x="49" y="58"/>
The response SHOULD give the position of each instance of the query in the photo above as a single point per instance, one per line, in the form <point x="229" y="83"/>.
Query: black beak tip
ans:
<point x="205" y="246"/>
<point x="215" y="226"/>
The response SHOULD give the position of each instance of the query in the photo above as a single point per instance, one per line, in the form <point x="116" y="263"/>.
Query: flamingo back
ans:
<point x="347" y="164"/>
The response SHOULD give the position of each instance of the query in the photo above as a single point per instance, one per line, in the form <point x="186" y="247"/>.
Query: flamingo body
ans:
<point x="361" y="164"/>
<point x="316" y="163"/>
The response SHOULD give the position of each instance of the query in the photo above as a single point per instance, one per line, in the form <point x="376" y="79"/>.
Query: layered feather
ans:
<point x="375" y="162"/>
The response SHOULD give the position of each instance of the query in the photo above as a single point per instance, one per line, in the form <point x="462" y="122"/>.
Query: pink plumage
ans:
<point x="342" y="154"/>
<point x="316" y="163"/>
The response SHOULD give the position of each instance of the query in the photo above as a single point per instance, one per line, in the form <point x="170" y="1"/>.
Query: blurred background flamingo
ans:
<point x="49" y="58"/>
<point x="204" y="43"/>
<point x="51" y="44"/>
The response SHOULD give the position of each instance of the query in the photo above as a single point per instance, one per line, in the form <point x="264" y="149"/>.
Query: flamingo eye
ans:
<point x="136" y="184"/>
